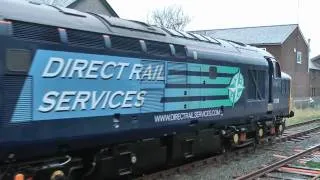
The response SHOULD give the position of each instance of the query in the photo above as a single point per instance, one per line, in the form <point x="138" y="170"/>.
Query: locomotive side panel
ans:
<point x="67" y="87"/>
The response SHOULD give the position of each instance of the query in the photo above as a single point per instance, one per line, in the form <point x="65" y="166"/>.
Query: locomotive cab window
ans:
<point x="277" y="70"/>
<point x="18" y="60"/>
<point x="256" y="84"/>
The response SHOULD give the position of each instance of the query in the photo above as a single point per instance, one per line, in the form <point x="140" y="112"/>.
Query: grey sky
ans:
<point x="213" y="14"/>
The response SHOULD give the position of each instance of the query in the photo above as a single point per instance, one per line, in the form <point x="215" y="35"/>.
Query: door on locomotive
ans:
<point x="274" y="84"/>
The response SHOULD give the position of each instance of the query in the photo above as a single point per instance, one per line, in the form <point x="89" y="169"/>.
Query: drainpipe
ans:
<point x="309" y="59"/>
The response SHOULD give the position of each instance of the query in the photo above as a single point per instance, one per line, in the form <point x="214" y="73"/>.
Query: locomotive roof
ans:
<point x="72" y="19"/>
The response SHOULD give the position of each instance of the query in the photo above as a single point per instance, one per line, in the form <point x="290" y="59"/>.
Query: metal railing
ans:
<point x="306" y="102"/>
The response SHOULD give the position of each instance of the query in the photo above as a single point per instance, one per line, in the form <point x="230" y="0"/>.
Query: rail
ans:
<point x="272" y="167"/>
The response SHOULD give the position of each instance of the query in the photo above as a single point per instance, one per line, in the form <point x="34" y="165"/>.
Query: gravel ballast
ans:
<point x="248" y="162"/>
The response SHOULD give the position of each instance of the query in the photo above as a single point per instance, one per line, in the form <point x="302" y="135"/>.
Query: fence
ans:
<point x="306" y="102"/>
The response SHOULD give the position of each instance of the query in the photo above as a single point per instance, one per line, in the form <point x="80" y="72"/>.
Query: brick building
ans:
<point x="315" y="76"/>
<point x="285" y="42"/>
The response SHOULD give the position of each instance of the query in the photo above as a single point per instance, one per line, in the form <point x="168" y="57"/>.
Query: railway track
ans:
<point x="297" y="132"/>
<point x="269" y="172"/>
<point x="304" y="123"/>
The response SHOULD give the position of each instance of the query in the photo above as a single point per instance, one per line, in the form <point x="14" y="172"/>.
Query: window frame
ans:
<point x="276" y="69"/>
<point x="299" y="57"/>
<point x="256" y="76"/>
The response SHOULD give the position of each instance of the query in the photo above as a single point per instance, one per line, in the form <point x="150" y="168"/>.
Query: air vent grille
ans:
<point x="85" y="39"/>
<point x="158" y="48"/>
<point x="180" y="51"/>
<point x="35" y="32"/>
<point x="18" y="98"/>
<point x="125" y="44"/>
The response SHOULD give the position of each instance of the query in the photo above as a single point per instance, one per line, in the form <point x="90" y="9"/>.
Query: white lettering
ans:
<point x="159" y="77"/>
<point x="137" y="68"/>
<point x="155" y="73"/>
<point x="78" y="66"/>
<point x="53" y="60"/>
<point x="122" y="66"/>
<point x="51" y="102"/>
<point x="96" y="101"/>
<point x="140" y="99"/>
<point x="64" y="100"/>
<point x="127" y="99"/>
<point x="103" y="69"/>
<point x="84" y="100"/>
<point x="81" y="98"/>
<point x="104" y="104"/>
<point x="93" y="69"/>
<point x="189" y="115"/>
<point x="147" y="73"/>
<point x="113" y="96"/>
<point x="66" y="68"/>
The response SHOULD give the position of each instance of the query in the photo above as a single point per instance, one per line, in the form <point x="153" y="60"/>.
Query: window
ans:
<point x="277" y="70"/>
<point x="314" y="75"/>
<point x="313" y="91"/>
<point x="256" y="84"/>
<point x="299" y="57"/>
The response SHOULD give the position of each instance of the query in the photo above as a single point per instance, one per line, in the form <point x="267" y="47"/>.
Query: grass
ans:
<point x="302" y="115"/>
<point x="313" y="164"/>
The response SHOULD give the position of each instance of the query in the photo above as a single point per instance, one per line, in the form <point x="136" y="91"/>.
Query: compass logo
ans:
<point x="236" y="88"/>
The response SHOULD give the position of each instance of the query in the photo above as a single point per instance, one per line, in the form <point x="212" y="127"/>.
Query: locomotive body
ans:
<point x="78" y="83"/>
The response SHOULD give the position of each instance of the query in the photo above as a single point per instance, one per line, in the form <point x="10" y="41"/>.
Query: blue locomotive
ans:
<point x="84" y="94"/>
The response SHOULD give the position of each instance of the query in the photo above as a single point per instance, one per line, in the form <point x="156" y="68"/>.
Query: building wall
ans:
<point x="95" y="6"/>
<point x="298" y="72"/>
<point x="275" y="50"/>
<point x="315" y="82"/>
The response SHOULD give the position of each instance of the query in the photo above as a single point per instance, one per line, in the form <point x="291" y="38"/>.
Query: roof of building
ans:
<point x="73" y="3"/>
<point x="316" y="58"/>
<point x="62" y="3"/>
<point x="315" y="63"/>
<point x="104" y="2"/>
<point x="259" y="35"/>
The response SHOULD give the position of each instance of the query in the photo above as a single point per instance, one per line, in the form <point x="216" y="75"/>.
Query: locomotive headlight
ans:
<point x="133" y="159"/>
<point x="236" y="138"/>
<point x="58" y="174"/>
<point x="223" y="132"/>
<point x="280" y="128"/>
<point x="260" y="132"/>
<point x="19" y="177"/>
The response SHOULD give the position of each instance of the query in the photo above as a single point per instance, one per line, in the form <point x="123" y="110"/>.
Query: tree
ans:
<point x="171" y="17"/>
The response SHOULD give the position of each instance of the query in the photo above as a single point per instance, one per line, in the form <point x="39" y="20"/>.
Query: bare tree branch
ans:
<point x="171" y="17"/>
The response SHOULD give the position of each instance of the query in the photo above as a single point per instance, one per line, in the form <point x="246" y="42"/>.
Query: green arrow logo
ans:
<point x="236" y="87"/>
